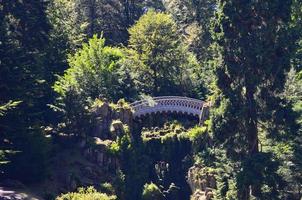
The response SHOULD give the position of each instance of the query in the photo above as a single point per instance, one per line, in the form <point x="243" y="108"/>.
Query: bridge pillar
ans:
<point x="205" y="113"/>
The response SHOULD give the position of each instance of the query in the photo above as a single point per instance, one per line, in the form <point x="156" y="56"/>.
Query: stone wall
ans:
<point x="202" y="182"/>
<point x="105" y="114"/>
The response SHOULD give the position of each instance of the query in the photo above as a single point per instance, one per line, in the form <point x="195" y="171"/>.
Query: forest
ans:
<point x="72" y="73"/>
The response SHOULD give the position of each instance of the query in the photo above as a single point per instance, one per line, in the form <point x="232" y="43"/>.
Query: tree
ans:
<point x="255" y="46"/>
<point x="293" y="95"/>
<point x="293" y="146"/>
<point x="194" y="20"/>
<point x="67" y="32"/>
<point x="161" y="63"/>
<point x="94" y="71"/>
<point x="23" y="78"/>
<point x="296" y="24"/>
<point x="79" y="20"/>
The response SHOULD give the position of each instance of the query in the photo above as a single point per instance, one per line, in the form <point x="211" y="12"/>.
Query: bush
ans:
<point x="108" y="188"/>
<point x="86" y="194"/>
<point x="152" y="192"/>
<point x="114" y="148"/>
<point x="196" y="132"/>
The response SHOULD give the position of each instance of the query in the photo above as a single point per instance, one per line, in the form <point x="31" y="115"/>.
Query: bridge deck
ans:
<point x="163" y="104"/>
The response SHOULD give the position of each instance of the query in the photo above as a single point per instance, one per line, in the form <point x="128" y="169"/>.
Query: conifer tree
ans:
<point x="23" y="79"/>
<point x="255" y="45"/>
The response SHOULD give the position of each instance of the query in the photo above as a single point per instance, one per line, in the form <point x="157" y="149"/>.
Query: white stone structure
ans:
<point x="170" y="104"/>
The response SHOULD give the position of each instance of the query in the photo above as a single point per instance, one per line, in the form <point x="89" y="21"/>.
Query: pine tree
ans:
<point x="255" y="46"/>
<point x="23" y="78"/>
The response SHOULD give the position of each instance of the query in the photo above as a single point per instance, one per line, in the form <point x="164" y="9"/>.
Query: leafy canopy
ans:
<point x="159" y="60"/>
<point x="93" y="72"/>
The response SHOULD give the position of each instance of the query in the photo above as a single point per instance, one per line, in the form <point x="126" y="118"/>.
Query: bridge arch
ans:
<point x="170" y="104"/>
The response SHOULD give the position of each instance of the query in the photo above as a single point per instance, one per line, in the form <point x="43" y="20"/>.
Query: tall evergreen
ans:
<point x="254" y="44"/>
<point x="23" y="78"/>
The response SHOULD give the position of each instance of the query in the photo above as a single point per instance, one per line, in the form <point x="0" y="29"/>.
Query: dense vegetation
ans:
<point x="69" y="68"/>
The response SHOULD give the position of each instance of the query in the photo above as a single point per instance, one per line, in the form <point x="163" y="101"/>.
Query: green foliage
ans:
<point x="160" y="62"/>
<point x="108" y="188"/>
<point x="196" y="132"/>
<point x="193" y="18"/>
<point x="152" y="192"/>
<point x="94" y="72"/>
<point x="254" y="57"/>
<point x="289" y="151"/>
<point x="25" y="76"/>
<point x="173" y="131"/>
<point x="255" y="137"/>
<point x="31" y="153"/>
<point x="8" y="106"/>
<point x="79" y="20"/>
<point x="114" y="148"/>
<point x="296" y="23"/>
<point x="293" y="91"/>
<point x="65" y="25"/>
<point x="85" y="194"/>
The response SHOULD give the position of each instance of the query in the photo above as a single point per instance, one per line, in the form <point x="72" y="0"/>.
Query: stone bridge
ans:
<point x="171" y="104"/>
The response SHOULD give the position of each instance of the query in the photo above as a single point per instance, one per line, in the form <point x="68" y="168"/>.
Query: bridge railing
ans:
<point x="168" y="104"/>
<point x="165" y="98"/>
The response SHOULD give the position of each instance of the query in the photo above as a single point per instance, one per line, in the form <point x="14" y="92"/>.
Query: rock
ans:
<point x="199" y="195"/>
<point x="103" y="118"/>
<point x="102" y="110"/>
<point x="99" y="155"/>
<point x="125" y="115"/>
<point x="201" y="182"/>
<point x="102" y="144"/>
<point x="10" y="194"/>
<point x="173" y="192"/>
<point x="162" y="171"/>
<point x="117" y="129"/>
<point x="104" y="115"/>
<point x="210" y="195"/>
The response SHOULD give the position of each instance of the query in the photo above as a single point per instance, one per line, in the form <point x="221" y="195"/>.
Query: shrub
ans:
<point x="86" y="194"/>
<point x="196" y="132"/>
<point x="114" y="148"/>
<point x="152" y="192"/>
<point x="108" y="188"/>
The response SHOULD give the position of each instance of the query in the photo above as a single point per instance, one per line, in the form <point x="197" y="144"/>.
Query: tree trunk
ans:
<point x="252" y="132"/>
<point x="92" y="17"/>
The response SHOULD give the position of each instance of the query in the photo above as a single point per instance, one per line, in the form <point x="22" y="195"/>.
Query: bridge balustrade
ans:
<point x="165" y="104"/>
